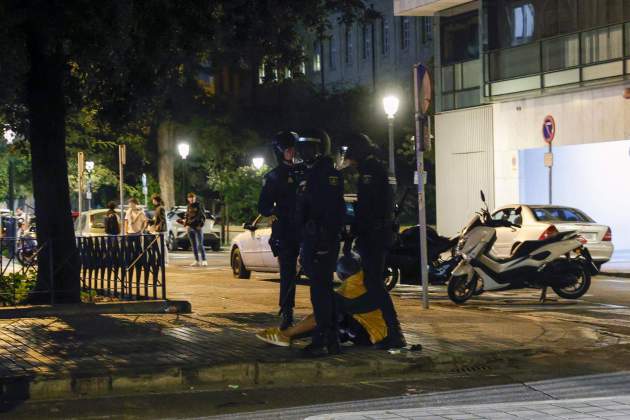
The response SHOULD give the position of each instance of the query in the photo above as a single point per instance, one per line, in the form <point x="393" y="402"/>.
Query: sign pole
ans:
<point x="422" y="96"/>
<point x="80" y="169"/>
<point x="550" y="176"/>
<point x="122" y="158"/>
<point x="549" y="133"/>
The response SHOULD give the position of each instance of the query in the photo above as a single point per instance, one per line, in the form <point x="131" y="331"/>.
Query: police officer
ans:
<point x="374" y="212"/>
<point x="320" y="212"/>
<point x="277" y="200"/>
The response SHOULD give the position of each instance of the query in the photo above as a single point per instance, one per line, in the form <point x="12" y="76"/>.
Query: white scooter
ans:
<point x="560" y="262"/>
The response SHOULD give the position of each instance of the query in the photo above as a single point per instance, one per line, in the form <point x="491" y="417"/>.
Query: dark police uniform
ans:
<point x="374" y="229"/>
<point x="277" y="198"/>
<point x="321" y="211"/>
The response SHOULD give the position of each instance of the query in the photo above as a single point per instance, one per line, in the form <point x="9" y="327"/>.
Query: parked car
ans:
<point x="177" y="233"/>
<point x="92" y="222"/>
<point x="541" y="222"/>
<point x="250" y="250"/>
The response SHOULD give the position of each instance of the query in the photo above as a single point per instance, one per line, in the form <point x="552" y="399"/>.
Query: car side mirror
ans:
<point x="249" y="226"/>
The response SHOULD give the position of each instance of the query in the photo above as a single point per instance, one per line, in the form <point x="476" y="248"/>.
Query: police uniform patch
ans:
<point x="366" y="179"/>
<point x="333" y="180"/>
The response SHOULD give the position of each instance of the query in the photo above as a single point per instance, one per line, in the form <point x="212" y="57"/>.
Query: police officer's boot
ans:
<point x="317" y="347"/>
<point x="394" y="340"/>
<point x="333" y="346"/>
<point x="286" y="319"/>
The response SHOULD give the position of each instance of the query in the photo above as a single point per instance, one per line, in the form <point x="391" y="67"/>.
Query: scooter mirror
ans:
<point x="483" y="196"/>
<point x="518" y="211"/>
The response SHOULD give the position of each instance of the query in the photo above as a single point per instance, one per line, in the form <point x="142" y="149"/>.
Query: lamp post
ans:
<point x="390" y="104"/>
<point x="258" y="162"/>
<point x="89" y="168"/>
<point x="183" y="149"/>
<point x="9" y="136"/>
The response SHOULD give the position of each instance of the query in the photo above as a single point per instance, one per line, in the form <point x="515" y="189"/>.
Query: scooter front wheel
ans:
<point x="460" y="289"/>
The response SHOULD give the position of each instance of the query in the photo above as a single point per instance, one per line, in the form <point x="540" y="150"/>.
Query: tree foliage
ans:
<point x="239" y="189"/>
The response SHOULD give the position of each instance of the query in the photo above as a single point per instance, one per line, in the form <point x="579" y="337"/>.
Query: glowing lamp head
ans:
<point x="390" y="104"/>
<point x="183" y="149"/>
<point x="9" y="135"/>
<point x="89" y="166"/>
<point x="258" y="162"/>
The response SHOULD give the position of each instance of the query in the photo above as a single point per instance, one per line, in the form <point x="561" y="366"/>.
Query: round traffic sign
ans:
<point x="549" y="129"/>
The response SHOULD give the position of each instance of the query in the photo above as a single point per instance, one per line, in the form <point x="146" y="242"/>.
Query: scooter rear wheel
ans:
<point x="579" y="287"/>
<point x="460" y="289"/>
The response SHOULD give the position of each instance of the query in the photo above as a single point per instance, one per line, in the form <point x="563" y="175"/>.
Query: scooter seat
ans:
<point x="526" y="247"/>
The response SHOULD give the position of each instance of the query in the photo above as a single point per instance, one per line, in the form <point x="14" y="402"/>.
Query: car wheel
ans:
<point x="238" y="268"/>
<point x="172" y="246"/>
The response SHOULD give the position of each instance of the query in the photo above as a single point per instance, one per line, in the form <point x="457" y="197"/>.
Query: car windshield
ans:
<point x="98" y="220"/>
<point x="560" y="214"/>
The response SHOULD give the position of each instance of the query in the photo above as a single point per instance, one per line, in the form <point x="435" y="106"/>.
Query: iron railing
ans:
<point x="19" y="261"/>
<point x="129" y="267"/>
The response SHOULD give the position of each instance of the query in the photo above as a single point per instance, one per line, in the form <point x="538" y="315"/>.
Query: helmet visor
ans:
<point x="308" y="149"/>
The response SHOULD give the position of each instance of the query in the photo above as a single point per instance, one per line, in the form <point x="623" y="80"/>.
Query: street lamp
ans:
<point x="184" y="150"/>
<point x="258" y="162"/>
<point x="390" y="104"/>
<point x="89" y="168"/>
<point x="9" y="135"/>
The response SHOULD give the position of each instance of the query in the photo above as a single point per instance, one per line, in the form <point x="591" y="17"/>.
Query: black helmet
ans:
<point x="282" y="141"/>
<point x="358" y="146"/>
<point x="348" y="265"/>
<point x="312" y="144"/>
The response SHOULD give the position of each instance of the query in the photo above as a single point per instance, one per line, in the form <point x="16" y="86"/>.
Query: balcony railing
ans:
<point x="460" y="85"/>
<point x="575" y="58"/>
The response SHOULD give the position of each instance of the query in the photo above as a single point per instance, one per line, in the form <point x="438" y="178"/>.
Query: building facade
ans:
<point x="377" y="54"/>
<point x="501" y="68"/>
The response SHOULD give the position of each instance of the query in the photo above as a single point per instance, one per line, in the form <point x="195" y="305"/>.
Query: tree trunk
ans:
<point x="166" y="162"/>
<point x="46" y="106"/>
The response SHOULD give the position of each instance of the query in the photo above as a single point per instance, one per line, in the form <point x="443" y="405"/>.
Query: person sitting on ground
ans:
<point x="361" y="321"/>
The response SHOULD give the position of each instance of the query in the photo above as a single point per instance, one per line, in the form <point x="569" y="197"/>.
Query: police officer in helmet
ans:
<point x="277" y="200"/>
<point x="374" y="211"/>
<point x="320" y="213"/>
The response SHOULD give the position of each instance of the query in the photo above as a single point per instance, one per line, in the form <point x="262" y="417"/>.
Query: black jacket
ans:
<point x="159" y="219"/>
<point x="321" y="207"/>
<point x="375" y="198"/>
<point x="278" y="198"/>
<point x="195" y="215"/>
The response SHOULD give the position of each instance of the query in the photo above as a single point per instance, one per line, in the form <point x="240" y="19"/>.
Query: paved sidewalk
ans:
<point x="582" y="409"/>
<point x="104" y="353"/>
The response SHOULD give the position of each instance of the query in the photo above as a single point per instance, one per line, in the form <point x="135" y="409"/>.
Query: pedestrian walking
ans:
<point x="195" y="220"/>
<point x="158" y="224"/>
<point x="374" y="228"/>
<point x="112" y="222"/>
<point x="278" y="200"/>
<point x="320" y="213"/>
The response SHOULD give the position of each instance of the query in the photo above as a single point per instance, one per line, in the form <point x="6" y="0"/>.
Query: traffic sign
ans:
<point x="549" y="129"/>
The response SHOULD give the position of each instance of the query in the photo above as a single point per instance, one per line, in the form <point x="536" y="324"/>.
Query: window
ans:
<point x="460" y="38"/>
<point x="348" y="39"/>
<point x="560" y="214"/>
<point x="427" y="29"/>
<point x="332" y="53"/>
<point x="404" y="33"/>
<point x="507" y="215"/>
<point x="367" y="42"/>
<point x="317" y="56"/>
<point x="523" y="23"/>
<point x="384" y="36"/>
<point x="262" y="73"/>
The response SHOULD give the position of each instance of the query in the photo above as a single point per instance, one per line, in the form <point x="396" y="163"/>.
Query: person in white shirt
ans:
<point x="135" y="219"/>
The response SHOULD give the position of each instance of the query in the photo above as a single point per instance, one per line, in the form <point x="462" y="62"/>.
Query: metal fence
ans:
<point x="19" y="259"/>
<point x="128" y="267"/>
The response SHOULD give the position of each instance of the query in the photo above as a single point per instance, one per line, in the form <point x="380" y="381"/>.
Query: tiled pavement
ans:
<point x="582" y="409"/>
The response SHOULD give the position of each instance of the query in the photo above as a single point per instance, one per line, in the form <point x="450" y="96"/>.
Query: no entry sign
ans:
<point x="549" y="129"/>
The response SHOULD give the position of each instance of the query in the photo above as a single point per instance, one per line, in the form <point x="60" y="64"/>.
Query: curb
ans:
<point x="622" y="274"/>
<point x="137" y="307"/>
<point x="247" y="375"/>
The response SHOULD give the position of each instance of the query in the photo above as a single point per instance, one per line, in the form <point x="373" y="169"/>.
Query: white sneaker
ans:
<point x="195" y="264"/>
<point x="204" y="263"/>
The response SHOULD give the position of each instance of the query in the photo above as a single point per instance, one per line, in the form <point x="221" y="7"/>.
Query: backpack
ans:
<point x="111" y="224"/>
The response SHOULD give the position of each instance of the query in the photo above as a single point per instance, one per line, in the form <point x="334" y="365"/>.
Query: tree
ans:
<point x="125" y="61"/>
<point x="240" y="190"/>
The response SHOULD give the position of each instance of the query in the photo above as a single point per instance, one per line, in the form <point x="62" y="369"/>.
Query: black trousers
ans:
<point x="320" y="270"/>
<point x="372" y="248"/>
<point x="287" y="259"/>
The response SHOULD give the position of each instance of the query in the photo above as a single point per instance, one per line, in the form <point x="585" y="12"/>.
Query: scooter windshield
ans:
<point x="477" y="240"/>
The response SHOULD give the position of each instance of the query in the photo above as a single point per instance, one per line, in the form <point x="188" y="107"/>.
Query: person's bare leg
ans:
<point x="306" y="325"/>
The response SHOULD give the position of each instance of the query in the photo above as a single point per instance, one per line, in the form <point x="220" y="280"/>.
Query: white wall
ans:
<point x="464" y="155"/>
<point x="590" y="116"/>
<point x="592" y="177"/>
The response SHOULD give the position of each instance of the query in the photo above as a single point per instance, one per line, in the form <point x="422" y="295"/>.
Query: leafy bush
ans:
<point x="16" y="287"/>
